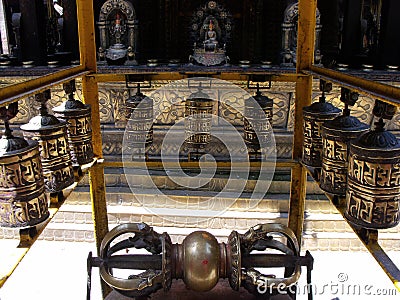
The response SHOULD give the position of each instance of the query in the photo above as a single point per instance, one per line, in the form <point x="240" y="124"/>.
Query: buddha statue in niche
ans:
<point x="211" y="29"/>
<point x="210" y="40"/>
<point x="118" y="28"/>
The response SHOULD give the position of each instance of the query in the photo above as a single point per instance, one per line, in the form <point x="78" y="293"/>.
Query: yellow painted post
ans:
<point x="87" y="48"/>
<point x="305" y="58"/>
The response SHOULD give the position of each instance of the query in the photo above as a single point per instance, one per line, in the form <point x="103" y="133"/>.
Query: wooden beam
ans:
<point x="384" y="92"/>
<point x="305" y="59"/>
<point x="87" y="49"/>
<point x="27" y="88"/>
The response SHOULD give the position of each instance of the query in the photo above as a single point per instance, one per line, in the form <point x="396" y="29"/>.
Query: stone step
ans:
<point x="115" y="177"/>
<point x="200" y="200"/>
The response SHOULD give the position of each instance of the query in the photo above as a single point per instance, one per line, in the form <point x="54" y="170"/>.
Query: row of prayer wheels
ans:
<point x="41" y="162"/>
<point x="198" y="122"/>
<point x="353" y="160"/>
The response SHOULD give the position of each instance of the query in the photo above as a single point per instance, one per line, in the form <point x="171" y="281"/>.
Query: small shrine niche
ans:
<point x="118" y="28"/>
<point x="210" y="32"/>
<point x="289" y="36"/>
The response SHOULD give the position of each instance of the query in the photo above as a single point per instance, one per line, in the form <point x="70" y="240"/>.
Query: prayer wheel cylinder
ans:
<point x="54" y="148"/>
<point x="198" y="112"/>
<point x="314" y="116"/>
<point x="373" y="194"/>
<point x="23" y="202"/>
<point x="336" y="137"/>
<point x="257" y="120"/>
<point x="139" y="129"/>
<point x="79" y="126"/>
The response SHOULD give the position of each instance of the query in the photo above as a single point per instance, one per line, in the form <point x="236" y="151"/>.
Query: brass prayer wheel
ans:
<point x="314" y="116"/>
<point x="51" y="134"/>
<point x="336" y="137"/>
<point x="257" y="120"/>
<point x="79" y="126"/>
<point x="139" y="129"/>
<point x="198" y="116"/>
<point x="373" y="194"/>
<point x="23" y="202"/>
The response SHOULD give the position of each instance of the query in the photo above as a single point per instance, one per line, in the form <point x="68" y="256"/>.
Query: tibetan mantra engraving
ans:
<point x="80" y="139"/>
<point x="314" y="117"/>
<point x="22" y="199"/>
<point x="373" y="194"/>
<point x="55" y="155"/>
<point x="79" y="129"/>
<point x="336" y="137"/>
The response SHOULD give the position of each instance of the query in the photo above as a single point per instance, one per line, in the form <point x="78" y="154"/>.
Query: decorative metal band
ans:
<point x="235" y="278"/>
<point x="22" y="199"/>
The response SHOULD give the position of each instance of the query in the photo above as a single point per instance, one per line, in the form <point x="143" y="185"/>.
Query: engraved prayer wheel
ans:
<point x="257" y="120"/>
<point x="336" y="137"/>
<point x="198" y="117"/>
<point x="139" y="129"/>
<point x="79" y="126"/>
<point x="373" y="194"/>
<point x="23" y="201"/>
<point x="51" y="134"/>
<point x="314" y="116"/>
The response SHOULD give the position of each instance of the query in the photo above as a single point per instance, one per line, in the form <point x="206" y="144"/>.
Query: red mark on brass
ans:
<point x="204" y="262"/>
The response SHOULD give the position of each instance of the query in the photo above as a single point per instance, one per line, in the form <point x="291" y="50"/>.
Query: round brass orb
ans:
<point x="201" y="260"/>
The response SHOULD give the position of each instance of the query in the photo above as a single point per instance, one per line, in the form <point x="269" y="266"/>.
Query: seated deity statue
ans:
<point x="210" y="40"/>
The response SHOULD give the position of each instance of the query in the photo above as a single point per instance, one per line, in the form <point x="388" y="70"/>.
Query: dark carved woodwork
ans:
<point x="33" y="31"/>
<point x="390" y="35"/>
<point x="70" y="31"/>
<point x="351" y="31"/>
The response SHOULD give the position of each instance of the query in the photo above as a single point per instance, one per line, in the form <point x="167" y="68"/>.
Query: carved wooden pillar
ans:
<point x="330" y="31"/>
<point x="389" y="43"/>
<point x="33" y="31"/>
<point x="351" y="39"/>
<point x="70" y="32"/>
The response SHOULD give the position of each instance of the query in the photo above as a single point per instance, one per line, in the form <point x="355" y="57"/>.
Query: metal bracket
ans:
<point x="200" y="74"/>
<point x="138" y="78"/>
<point x="258" y="78"/>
